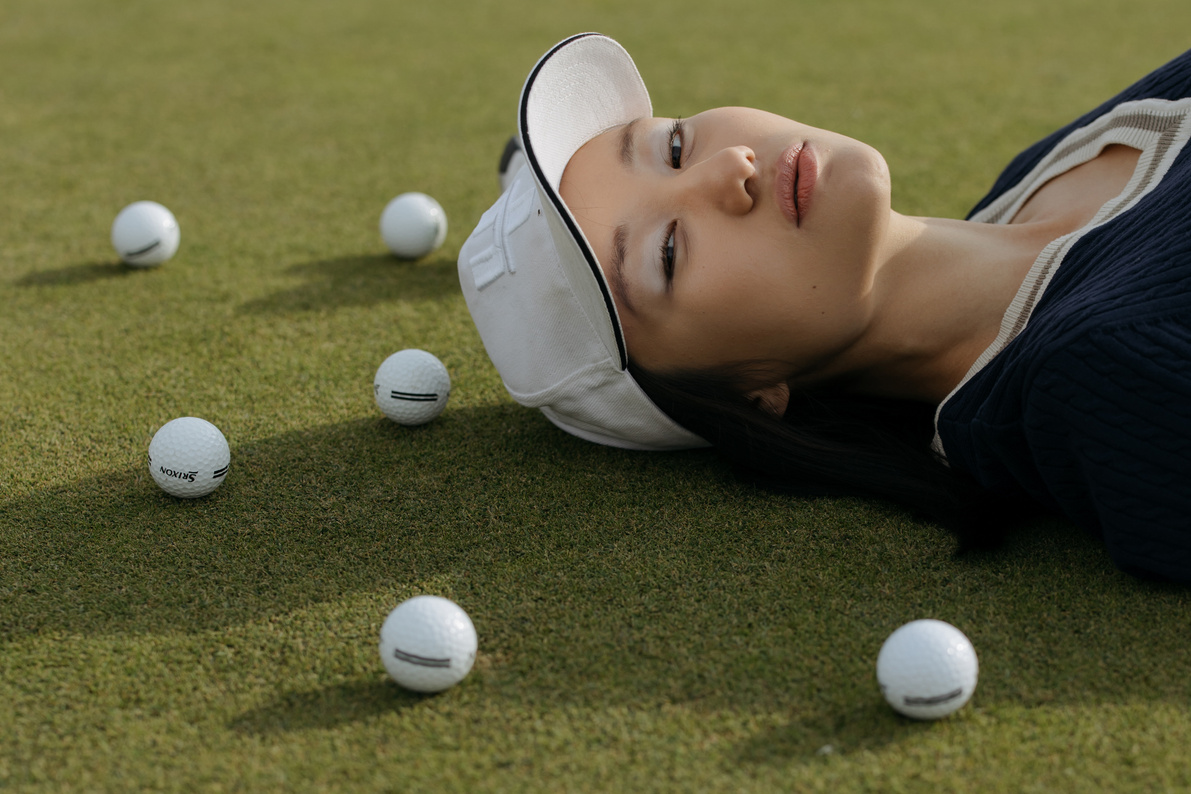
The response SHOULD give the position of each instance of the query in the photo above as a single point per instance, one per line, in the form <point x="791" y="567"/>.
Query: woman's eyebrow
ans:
<point x="627" y="141"/>
<point x="615" y="274"/>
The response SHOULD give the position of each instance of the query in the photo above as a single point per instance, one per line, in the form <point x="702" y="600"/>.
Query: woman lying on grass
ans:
<point x="739" y="279"/>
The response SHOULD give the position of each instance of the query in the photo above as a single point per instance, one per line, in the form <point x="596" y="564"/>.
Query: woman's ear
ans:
<point x="772" y="399"/>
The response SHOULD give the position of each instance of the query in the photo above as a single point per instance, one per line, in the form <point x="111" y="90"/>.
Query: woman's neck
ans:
<point x="939" y="294"/>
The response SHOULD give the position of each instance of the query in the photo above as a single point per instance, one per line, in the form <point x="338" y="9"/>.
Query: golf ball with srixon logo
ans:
<point x="145" y="234"/>
<point x="411" y="387"/>
<point x="927" y="669"/>
<point x="428" y="643"/>
<point x="189" y="457"/>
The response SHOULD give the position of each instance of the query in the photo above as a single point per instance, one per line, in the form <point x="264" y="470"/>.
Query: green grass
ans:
<point x="645" y="621"/>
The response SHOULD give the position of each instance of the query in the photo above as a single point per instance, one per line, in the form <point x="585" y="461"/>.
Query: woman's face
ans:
<point x="733" y="236"/>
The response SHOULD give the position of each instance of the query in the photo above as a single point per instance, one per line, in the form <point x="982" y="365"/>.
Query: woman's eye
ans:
<point x="675" y="140"/>
<point x="668" y="253"/>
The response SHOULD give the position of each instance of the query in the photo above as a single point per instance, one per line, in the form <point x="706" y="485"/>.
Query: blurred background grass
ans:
<point x="645" y="622"/>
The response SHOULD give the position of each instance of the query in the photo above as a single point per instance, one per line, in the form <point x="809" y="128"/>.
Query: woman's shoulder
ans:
<point x="1108" y="420"/>
<point x="1096" y="422"/>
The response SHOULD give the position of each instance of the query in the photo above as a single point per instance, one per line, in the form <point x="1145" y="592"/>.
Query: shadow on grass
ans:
<point x="870" y="726"/>
<point x="76" y="274"/>
<point x="303" y="517"/>
<point x="359" y="281"/>
<point x="328" y="707"/>
<point x="595" y="576"/>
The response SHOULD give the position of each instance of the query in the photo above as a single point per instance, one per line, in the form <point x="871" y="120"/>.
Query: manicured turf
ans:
<point x="645" y="621"/>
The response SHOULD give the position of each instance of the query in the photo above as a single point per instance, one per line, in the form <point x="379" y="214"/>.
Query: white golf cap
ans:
<point x="530" y="278"/>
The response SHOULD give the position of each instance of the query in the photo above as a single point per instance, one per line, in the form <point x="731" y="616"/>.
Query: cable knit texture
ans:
<point x="1089" y="407"/>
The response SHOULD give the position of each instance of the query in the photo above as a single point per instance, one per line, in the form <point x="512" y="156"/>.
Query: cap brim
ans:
<point x="584" y="86"/>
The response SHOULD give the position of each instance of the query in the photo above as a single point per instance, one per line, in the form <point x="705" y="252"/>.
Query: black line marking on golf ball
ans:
<point x="413" y="397"/>
<point x="420" y="661"/>
<point x="220" y="472"/>
<point x="934" y="700"/>
<point x="144" y="250"/>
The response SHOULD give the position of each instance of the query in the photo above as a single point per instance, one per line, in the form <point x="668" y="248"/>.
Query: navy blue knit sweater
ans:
<point x="1088" y="408"/>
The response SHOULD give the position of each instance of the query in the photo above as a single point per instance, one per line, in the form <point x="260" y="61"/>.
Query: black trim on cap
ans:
<point x="563" y="213"/>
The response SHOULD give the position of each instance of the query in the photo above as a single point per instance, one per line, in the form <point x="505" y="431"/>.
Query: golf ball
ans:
<point x="145" y="234"/>
<point x="413" y="225"/>
<point x="927" y="669"/>
<point x="189" y="457"/>
<point x="428" y="643"/>
<point x="411" y="387"/>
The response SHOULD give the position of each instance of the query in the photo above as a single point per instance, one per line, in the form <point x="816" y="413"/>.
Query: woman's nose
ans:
<point x="722" y="180"/>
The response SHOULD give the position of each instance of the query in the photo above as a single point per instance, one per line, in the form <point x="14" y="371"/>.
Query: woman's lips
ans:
<point x="795" y="183"/>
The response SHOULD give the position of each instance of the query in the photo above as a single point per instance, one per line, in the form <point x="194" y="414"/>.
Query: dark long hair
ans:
<point x="832" y="443"/>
